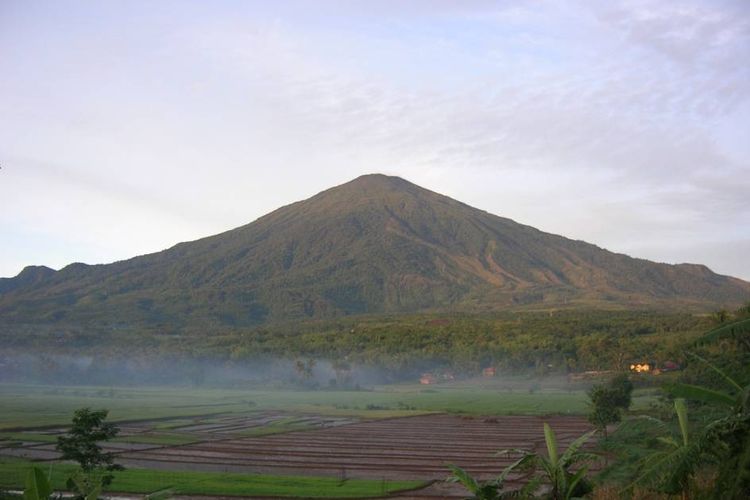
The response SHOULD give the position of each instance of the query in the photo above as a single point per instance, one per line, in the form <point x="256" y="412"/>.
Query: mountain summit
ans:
<point x="377" y="244"/>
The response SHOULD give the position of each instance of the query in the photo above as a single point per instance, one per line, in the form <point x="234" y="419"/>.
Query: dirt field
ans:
<point x="414" y="447"/>
<point x="417" y="447"/>
<point x="401" y="448"/>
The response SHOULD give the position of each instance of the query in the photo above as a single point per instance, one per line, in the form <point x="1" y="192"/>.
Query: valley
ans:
<point x="397" y="437"/>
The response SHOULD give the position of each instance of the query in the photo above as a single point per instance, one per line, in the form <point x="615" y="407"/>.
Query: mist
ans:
<point x="276" y="373"/>
<point x="272" y="373"/>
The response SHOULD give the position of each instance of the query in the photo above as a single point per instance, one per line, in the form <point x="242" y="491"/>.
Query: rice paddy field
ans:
<point x="388" y="441"/>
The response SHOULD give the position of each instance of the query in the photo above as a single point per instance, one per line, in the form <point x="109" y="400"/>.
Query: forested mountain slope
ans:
<point x="377" y="244"/>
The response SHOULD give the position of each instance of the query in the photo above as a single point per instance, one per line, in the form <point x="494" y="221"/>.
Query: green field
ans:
<point x="28" y="406"/>
<point x="157" y="438"/>
<point x="13" y="473"/>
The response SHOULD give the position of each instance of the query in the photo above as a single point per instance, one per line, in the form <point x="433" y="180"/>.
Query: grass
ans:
<point x="165" y="439"/>
<point x="34" y="406"/>
<point x="289" y="424"/>
<point x="27" y="406"/>
<point x="13" y="473"/>
<point x="173" y="424"/>
<point x="27" y="436"/>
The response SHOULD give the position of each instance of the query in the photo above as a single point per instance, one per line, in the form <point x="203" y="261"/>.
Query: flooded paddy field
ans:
<point x="405" y="448"/>
<point x="417" y="448"/>
<point x="224" y="442"/>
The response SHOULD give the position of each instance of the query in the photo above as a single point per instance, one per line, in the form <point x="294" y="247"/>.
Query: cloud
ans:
<point x="604" y="122"/>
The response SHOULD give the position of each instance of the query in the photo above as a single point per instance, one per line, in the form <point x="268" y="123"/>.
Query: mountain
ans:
<point x="377" y="244"/>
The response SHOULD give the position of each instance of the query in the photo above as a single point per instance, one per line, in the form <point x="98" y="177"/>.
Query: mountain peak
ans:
<point x="379" y="182"/>
<point x="378" y="179"/>
<point x="30" y="275"/>
<point x="378" y="191"/>
<point x="376" y="244"/>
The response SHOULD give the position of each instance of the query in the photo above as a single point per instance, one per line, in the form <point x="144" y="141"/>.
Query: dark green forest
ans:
<point x="533" y="343"/>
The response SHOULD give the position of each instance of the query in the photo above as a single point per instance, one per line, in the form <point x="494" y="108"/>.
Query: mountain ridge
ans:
<point x="377" y="244"/>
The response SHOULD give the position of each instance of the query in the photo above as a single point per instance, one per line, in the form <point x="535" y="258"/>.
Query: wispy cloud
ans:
<point x="602" y="121"/>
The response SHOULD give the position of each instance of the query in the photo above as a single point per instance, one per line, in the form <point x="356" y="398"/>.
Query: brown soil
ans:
<point x="400" y="448"/>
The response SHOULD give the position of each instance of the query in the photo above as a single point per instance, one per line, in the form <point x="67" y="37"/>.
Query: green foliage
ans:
<point x="87" y="485"/>
<point x="81" y="445"/>
<point x="671" y="467"/>
<point x="493" y="489"/>
<point x="372" y="246"/>
<point x="556" y="468"/>
<point x="604" y="411"/>
<point x="721" y="445"/>
<point x="726" y="440"/>
<point x="609" y="400"/>
<point x="37" y="485"/>
<point x="515" y="342"/>
<point x="216" y="484"/>
<point x="726" y="346"/>
<point x="485" y="490"/>
<point x="622" y="388"/>
<point x="26" y="405"/>
<point x="304" y="370"/>
<point x="404" y="346"/>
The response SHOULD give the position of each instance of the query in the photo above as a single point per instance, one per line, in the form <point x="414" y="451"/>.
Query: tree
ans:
<point x="608" y="401"/>
<point x="622" y="388"/>
<point x="81" y="445"/>
<point x="305" y="370"/>
<point x="343" y="370"/>
<point x="721" y="316"/>
<point x="603" y="408"/>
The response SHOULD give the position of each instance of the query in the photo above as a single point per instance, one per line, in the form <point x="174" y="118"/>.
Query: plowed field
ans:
<point x="400" y="448"/>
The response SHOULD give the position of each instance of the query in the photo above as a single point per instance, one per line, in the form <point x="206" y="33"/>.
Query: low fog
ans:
<point x="271" y="373"/>
<point x="306" y="373"/>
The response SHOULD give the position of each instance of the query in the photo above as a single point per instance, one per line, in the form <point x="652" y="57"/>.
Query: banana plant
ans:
<point x="726" y="440"/>
<point x="671" y="468"/>
<point x="737" y="330"/>
<point x="556" y="468"/>
<point x="86" y="485"/>
<point x="723" y="443"/>
<point x="37" y="485"/>
<point x="493" y="489"/>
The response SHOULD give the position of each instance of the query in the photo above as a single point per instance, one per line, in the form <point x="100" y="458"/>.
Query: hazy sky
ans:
<point x="126" y="127"/>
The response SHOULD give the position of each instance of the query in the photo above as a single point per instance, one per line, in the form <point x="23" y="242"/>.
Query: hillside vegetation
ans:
<point x="376" y="245"/>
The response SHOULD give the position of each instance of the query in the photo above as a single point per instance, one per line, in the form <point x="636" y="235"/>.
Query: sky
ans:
<point x="128" y="126"/>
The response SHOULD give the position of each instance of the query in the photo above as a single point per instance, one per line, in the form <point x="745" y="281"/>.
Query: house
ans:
<point x="641" y="367"/>
<point x="427" y="379"/>
<point x="670" y="366"/>
<point x="490" y="371"/>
